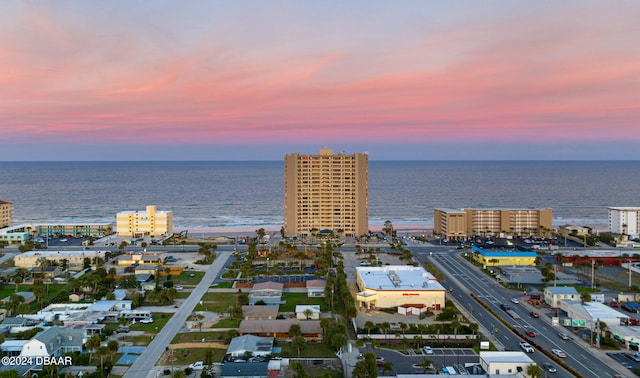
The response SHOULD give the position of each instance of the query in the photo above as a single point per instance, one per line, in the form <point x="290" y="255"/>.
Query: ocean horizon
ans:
<point x="239" y="196"/>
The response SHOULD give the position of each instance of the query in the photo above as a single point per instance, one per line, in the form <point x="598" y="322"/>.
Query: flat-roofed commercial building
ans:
<point x="6" y="210"/>
<point x="75" y="259"/>
<point x="151" y="222"/>
<point x="465" y="223"/>
<point x="624" y="221"/>
<point x="326" y="192"/>
<point x="397" y="285"/>
<point x="506" y="258"/>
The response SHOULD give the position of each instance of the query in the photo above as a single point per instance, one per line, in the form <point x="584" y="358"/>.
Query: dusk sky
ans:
<point x="255" y="80"/>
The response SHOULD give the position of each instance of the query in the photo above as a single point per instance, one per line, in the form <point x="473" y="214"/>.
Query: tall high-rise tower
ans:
<point x="326" y="192"/>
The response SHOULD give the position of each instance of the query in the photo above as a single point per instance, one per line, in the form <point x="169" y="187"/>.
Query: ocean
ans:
<point x="220" y="196"/>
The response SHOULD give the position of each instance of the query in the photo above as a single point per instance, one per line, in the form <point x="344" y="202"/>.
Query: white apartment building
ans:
<point x="624" y="220"/>
<point x="151" y="222"/>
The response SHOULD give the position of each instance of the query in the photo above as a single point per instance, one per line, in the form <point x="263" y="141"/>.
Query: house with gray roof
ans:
<point x="554" y="294"/>
<point x="249" y="344"/>
<point x="54" y="341"/>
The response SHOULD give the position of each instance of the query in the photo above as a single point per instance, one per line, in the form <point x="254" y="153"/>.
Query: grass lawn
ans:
<point x="184" y="356"/>
<point x="222" y="285"/>
<point x="227" y="323"/>
<point x="217" y="302"/>
<point x="317" y="350"/>
<point x="141" y="340"/>
<point x="293" y="299"/>
<point x="185" y="278"/>
<point x="160" y="319"/>
<point x="183" y="294"/>
<point x="190" y="337"/>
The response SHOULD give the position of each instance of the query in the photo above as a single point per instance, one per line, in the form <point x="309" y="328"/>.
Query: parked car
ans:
<point x="548" y="367"/>
<point x="427" y="349"/>
<point x="122" y="330"/>
<point x="559" y="353"/>
<point x="178" y="287"/>
<point x="146" y="321"/>
<point x="199" y="365"/>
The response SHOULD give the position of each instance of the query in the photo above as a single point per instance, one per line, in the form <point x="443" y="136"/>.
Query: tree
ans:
<point x="92" y="344"/>
<point x="368" y="325"/>
<point x="113" y="348"/>
<point x="40" y="292"/>
<point x="295" y="330"/>
<point x="387" y="367"/>
<point x="308" y="313"/>
<point x="102" y="352"/>
<point x="534" y="371"/>
<point x="325" y="323"/>
<point x="298" y="342"/>
<point x="425" y="365"/>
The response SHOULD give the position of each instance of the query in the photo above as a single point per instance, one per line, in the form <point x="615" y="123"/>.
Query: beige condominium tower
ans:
<point x="326" y="193"/>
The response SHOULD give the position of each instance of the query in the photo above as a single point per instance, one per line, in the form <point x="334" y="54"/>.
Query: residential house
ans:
<point x="76" y="297"/>
<point x="255" y="346"/>
<point x="279" y="328"/>
<point x="27" y="295"/>
<point x="54" y="341"/>
<point x="308" y="312"/>
<point x="268" y="292"/>
<point x="245" y="370"/>
<point x="554" y="294"/>
<point x="315" y="288"/>
<point x="259" y="312"/>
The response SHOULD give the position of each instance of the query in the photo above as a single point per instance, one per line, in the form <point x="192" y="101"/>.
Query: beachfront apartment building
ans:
<point x="6" y="210"/>
<point x="326" y="193"/>
<point x="465" y="223"/>
<point x="151" y="222"/>
<point x="624" y="221"/>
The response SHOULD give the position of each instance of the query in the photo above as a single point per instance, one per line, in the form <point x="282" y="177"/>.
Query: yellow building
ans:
<point x="6" y="209"/>
<point x="500" y="258"/>
<point x="465" y="223"/>
<point x="398" y="285"/>
<point x="326" y="192"/>
<point x="150" y="222"/>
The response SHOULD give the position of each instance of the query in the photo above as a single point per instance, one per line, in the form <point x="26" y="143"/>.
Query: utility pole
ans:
<point x="593" y="266"/>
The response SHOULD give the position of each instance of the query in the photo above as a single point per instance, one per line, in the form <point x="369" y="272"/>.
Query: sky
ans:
<point x="255" y="80"/>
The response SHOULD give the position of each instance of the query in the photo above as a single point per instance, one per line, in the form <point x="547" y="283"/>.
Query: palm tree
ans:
<point x="534" y="371"/>
<point x="308" y="313"/>
<point x="298" y="343"/>
<point x="403" y="327"/>
<point x="387" y="367"/>
<point x="92" y="344"/>
<point x="102" y="352"/>
<point x="325" y="323"/>
<point x="368" y="325"/>
<point x="113" y="348"/>
<point x="425" y="365"/>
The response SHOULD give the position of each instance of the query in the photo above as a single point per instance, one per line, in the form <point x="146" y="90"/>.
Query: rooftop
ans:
<point x="398" y="277"/>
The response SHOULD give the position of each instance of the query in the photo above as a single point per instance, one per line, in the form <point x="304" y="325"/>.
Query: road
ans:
<point x="463" y="278"/>
<point x="161" y="341"/>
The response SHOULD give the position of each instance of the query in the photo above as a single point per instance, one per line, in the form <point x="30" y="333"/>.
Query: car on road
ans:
<point x="636" y="357"/>
<point x="515" y="300"/>
<point x="64" y="240"/>
<point x="529" y="333"/>
<point x="559" y="353"/>
<point x="504" y="307"/>
<point x="534" y="314"/>
<point x="427" y="349"/>
<point x="563" y="336"/>
<point x="548" y="367"/>
<point x="526" y="347"/>
<point x="199" y="365"/>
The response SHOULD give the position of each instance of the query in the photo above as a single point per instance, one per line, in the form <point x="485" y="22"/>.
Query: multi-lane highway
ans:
<point x="465" y="278"/>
